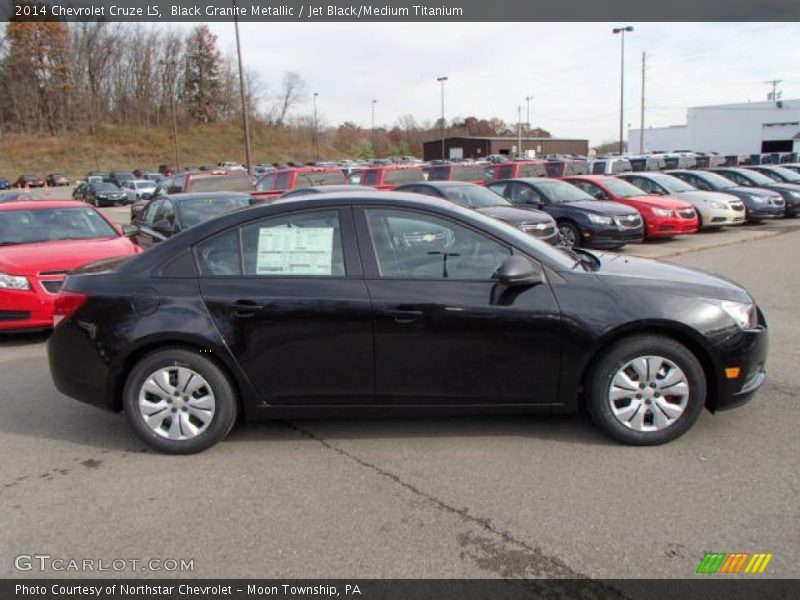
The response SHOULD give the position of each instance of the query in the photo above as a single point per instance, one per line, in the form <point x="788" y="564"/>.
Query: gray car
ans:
<point x="714" y="209"/>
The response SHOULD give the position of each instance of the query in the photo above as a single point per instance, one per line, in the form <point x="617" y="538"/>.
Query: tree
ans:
<point x="203" y="78"/>
<point x="293" y="91"/>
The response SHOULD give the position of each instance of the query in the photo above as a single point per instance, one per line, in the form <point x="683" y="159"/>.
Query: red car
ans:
<point x="218" y="180"/>
<point x="663" y="216"/>
<point x="276" y="183"/>
<point x="40" y="242"/>
<point x="516" y="169"/>
<point x="473" y="173"/>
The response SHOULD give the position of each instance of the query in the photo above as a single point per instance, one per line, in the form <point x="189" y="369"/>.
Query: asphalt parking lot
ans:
<point x="430" y="498"/>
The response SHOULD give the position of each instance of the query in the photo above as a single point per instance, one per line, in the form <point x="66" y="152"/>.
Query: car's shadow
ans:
<point x="11" y="340"/>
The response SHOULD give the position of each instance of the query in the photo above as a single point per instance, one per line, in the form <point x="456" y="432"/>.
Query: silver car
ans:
<point x="714" y="209"/>
<point x="138" y="189"/>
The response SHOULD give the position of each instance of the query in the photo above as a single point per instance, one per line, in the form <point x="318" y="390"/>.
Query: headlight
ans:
<point x="794" y="194"/>
<point x="745" y="315"/>
<point x="661" y="212"/>
<point x="13" y="282"/>
<point x="758" y="199"/>
<point x="717" y="204"/>
<point x="600" y="219"/>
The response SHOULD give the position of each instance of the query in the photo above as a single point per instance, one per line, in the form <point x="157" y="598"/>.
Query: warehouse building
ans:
<point x="745" y="128"/>
<point x="457" y="148"/>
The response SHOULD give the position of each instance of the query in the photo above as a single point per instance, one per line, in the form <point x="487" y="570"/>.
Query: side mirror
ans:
<point x="129" y="230"/>
<point x="517" y="270"/>
<point x="163" y="227"/>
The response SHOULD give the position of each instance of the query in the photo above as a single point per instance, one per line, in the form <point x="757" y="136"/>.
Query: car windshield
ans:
<point x="718" y="182"/>
<point x="622" y="188"/>
<point x="756" y="177"/>
<point x="473" y="196"/>
<point x="106" y="187"/>
<point x="193" y="211"/>
<point x="313" y="178"/>
<point x="786" y="174"/>
<point x="672" y="184"/>
<point x="232" y="182"/>
<point x="28" y="226"/>
<point x="559" y="192"/>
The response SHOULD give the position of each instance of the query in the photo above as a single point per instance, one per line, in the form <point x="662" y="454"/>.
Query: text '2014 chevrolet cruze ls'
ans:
<point x="368" y="303"/>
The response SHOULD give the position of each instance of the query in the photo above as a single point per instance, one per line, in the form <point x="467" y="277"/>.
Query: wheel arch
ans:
<point x="676" y="331"/>
<point x="162" y="343"/>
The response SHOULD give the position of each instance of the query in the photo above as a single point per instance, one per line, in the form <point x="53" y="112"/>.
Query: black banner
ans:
<point x="399" y="10"/>
<point x="733" y="588"/>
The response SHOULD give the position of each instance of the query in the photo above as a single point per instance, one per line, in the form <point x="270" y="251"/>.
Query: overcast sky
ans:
<point x="572" y="70"/>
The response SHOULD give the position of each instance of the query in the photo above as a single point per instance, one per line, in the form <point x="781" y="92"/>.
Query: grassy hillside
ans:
<point x="126" y="148"/>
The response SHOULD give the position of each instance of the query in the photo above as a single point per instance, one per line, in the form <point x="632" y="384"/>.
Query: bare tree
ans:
<point x="293" y="91"/>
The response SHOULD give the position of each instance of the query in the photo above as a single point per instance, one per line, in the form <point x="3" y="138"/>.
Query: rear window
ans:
<point x="194" y="211"/>
<point x="398" y="176"/>
<point x="468" y="173"/>
<point x="531" y="171"/>
<point x="234" y="182"/>
<point x="320" y="178"/>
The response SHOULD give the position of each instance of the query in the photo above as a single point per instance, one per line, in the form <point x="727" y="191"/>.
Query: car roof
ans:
<point x="440" y="184"/>
<point x="36" y="204"/>
<point x="329" y="189"/>
<point x="201" y="195"/>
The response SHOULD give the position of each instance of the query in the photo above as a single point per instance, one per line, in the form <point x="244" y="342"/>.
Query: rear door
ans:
<point x="288" y="296"/>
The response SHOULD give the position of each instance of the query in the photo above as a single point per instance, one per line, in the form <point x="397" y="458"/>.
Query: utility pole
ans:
<point x="442" y="80"/>
<point x="641" y="130"/>
<point x="528" y="116"/>
<point x="519" y="131"/>
<point x="174" y="64"/>
<point x="245" y="116"/>
<point x="775" y="95"/>
<point x="315" y="136"/>
<point x="373" y="128"/>
<point x="622" y="31"/>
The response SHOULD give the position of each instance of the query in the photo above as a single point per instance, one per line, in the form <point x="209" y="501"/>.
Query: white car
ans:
<point x="138" y="189"/>
<point x="714" y="209"/>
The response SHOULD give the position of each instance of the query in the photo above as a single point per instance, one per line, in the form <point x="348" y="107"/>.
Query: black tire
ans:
<point x="564" y="228"/>
<point x="225" y="410"/>
<point x="601" y="374"/>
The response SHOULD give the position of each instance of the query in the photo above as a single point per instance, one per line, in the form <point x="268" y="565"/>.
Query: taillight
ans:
<point x="66" y="303"/>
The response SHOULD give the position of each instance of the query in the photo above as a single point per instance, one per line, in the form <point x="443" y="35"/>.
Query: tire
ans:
<point x="568" y="235"/>
<point x="669" y="404"/>
<point x="203" y="416"/>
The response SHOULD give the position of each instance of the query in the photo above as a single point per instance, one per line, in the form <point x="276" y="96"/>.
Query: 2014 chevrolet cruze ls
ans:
<point x="353" y="304"/>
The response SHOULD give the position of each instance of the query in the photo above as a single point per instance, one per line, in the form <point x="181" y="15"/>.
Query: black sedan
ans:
<point x="758" y="204"/>
<point x="582" y="220"/>
<point x="470" y="195"/>
<point x="753" y="179"/>
<point x="354" y="304"/>
<point x="165" y="216"/>
<point x="104" y="194"/>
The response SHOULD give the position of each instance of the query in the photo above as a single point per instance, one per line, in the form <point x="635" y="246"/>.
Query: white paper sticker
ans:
<point x="295" y="251"/>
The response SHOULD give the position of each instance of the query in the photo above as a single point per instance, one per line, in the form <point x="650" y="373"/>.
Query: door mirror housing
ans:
<point x="129" y="230"/>
<point x="517" y="270"/>
<point x="163" y="227"/>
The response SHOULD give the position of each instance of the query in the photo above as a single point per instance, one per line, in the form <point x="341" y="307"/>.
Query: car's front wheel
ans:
<point x="568" y="235"/>
<point x="179" y="402"/>
<point x="646" y="390"/>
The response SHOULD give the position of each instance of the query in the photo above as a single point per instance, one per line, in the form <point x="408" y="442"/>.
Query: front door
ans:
<point x="445" y="331"/>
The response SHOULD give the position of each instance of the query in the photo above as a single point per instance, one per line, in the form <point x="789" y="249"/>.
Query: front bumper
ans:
<point x="717" y="217"/>
<point x="25" y="310"/>
<point x="670" y="226"/>
<point x="611" y="236"/>
<point x="748" y="353"/>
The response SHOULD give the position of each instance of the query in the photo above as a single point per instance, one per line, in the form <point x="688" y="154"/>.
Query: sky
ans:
<point x="572" y="70"/>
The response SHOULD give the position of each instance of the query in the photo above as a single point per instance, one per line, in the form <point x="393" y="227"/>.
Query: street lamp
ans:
<point x="245" y="118"/>
<point x="528" y="116"/>
<point x="373" y="128"/>
<point x="441" y="80"/>
<point x="315" y="136"/>
<point x="621" y="31"/>
<point x="174" y="117"/>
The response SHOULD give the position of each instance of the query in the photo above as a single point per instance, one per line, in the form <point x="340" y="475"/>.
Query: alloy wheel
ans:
<point x="566" y="236"/>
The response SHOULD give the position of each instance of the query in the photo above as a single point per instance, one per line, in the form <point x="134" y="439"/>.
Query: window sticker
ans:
<point x="295" y="251"/>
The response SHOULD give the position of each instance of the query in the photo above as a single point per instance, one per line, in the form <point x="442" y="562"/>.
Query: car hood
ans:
<point x="513" y="214"/>
<point x="789" y="187"/>
<point x="654" y="201"/>
<point x="63" y="255"/>
<point x="602" y="207"/>
<point x="627" y="270"/>
<point x="702" y="195"/>
<point x="753" y="191"/>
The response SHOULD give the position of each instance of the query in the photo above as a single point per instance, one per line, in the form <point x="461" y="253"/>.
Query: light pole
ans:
<point x="621" y="31"/>
<point x="441" y="80"/>
<point x="373" y="128"/>
<point x="315" y="136"/>
<point x="174" y="117"/>
<point x="245" y="118"/>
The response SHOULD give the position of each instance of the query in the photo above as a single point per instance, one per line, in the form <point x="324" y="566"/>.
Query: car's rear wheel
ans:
<point x="646" y="390"/>
<point x="568" y="235"/>
<point x="179" y="402"/>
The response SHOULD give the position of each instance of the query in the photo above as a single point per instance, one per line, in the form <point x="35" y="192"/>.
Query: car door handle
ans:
<point x="245" y="308"/>
<point x="405" y="316"/>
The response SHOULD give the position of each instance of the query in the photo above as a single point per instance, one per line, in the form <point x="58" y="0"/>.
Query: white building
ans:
<point x="746" y="128"/>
